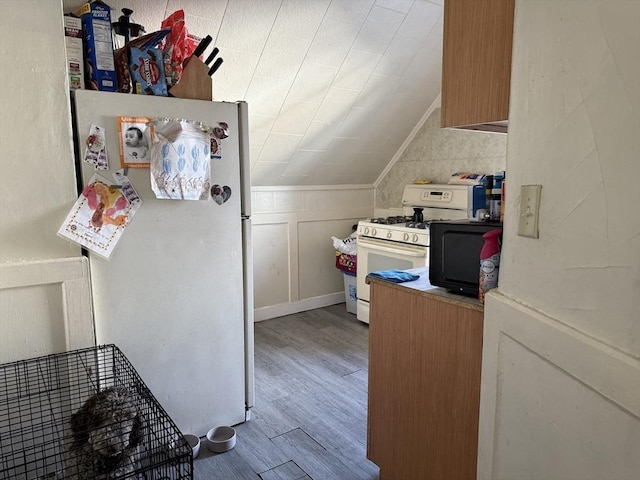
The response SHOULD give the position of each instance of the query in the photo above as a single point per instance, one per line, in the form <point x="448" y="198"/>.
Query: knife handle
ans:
<point x="204" y="43"/>
<point x="215" y="66"/>
<point x="212" y="56"/>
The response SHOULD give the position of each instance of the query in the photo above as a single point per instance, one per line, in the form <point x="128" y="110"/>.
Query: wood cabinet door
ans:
<point x="476" y="63"/>
<point x="424" y="386"/>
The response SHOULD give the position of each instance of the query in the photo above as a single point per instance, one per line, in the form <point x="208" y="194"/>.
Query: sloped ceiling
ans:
<point x="334" y="87"/>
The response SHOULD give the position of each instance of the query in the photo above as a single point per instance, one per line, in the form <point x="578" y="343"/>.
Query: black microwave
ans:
<point x="454" y="254"/>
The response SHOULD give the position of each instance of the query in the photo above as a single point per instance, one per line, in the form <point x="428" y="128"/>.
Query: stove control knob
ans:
<point x="405" y="237"/>
<point x="389" y="234"/>
<point x="374" y="232"/>
<point x="414" y="239"/>
<point x="366" y="230"/>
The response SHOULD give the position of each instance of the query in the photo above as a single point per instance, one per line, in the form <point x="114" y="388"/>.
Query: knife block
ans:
<point x="195" y="82"/>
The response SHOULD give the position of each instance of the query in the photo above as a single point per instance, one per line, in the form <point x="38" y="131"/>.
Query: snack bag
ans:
<point x="174" y="51"/>
<point x="121" y="57"/>
<point x="179" y="46"/>
<point x="151" y="40"/>
<point x="147" y="72"/>
<point x="192" y="44"/>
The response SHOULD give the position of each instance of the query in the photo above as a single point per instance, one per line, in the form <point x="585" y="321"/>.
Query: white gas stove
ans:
<point x="402" y="242"/>
<point x="421" y="204"/>
<point x="407" y="231"/>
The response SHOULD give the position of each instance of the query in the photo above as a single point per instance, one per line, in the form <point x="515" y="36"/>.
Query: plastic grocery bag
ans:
<point x="347" y="245"/>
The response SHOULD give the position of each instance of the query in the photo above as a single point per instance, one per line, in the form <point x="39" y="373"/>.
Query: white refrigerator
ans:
<point x="176" y="294"/>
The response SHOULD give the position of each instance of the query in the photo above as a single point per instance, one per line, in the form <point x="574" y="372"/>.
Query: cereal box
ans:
<point x="73" y="43"/>
<point x="100" y="64"/>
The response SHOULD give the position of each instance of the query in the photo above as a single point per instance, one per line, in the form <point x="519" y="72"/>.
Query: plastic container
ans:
<point x="350" y="293"/>
<point x="489" y="262"/>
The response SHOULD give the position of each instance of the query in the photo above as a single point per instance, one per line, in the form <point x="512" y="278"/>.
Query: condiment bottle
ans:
<point x="488" y="183"/>
<point x="494" y="202"/>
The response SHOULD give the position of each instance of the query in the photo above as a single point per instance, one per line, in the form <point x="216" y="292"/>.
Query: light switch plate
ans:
<point x="529" y="210"/>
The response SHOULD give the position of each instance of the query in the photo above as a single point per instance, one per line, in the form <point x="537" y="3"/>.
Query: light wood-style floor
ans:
<point x="310" y="417"/>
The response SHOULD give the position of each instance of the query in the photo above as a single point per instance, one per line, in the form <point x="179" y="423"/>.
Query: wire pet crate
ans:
<point x="38" y="398"/>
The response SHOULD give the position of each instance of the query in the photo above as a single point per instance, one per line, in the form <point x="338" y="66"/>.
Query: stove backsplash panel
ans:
<point x="387" y="212"/>
<point x="436" y="153"/>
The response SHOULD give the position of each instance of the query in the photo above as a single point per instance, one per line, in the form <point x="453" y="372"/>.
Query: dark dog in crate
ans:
<point x="106" y="435"/>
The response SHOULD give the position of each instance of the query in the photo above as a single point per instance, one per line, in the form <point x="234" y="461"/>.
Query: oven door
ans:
<point x="375" y="255"/>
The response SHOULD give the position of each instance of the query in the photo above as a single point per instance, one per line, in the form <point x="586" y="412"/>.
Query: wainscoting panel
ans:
<point x="271" y="272"/>
<point x="555" y="403"/>
<point x="294" y="259"/>
<point x="45" y="307"/>
<point x="317" y="273"/>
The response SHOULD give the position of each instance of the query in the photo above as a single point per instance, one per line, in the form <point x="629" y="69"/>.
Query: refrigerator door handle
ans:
<point x="247" y="267"/>
<point x="245" y="162"/>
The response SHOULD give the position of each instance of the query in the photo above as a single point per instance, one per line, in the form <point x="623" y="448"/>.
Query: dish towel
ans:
<point x="395" y="276"/>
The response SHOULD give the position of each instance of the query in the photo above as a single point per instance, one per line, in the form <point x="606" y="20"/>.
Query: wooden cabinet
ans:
<point x="424" y="385"/>
<point x="476" y="64"/>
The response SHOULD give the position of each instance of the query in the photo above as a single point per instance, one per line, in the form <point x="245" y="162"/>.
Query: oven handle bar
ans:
<point x="408" y="250"/>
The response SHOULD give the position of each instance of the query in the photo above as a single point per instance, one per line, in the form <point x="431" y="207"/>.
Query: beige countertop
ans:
<point x="423" y="287"/>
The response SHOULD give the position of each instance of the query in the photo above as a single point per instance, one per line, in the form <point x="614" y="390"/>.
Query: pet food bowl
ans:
<point x="221" y="439"/>
<point x="194" y="443"/>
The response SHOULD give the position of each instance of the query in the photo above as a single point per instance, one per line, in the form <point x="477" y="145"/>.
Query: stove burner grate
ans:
<point x="405" y="221"/>
<point x="391" y="220"/>
<point x="422" y="225"/>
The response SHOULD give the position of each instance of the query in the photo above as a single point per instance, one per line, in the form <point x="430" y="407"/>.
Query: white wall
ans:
<point x="43" y="278"/>
<point x="561" y="371"/>
<point x="294" y="260"/>
<point x="35" y="133"/>
<point x="574" y="129"/>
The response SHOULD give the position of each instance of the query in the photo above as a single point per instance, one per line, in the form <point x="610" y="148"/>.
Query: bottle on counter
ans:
<point x="489" y="262"/>
<point x="494" y="201"/>
<point x="488" y="184"/>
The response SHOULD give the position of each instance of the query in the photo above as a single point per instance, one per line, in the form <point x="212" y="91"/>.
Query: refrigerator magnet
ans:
<point x="220" y="194"/>
<point x="218" y="134"/>
<point x="135" y="135"/>
<point x="95" y="152"/>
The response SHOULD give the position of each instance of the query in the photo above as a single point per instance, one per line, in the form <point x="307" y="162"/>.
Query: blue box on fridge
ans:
<point x="100" y="71"/>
